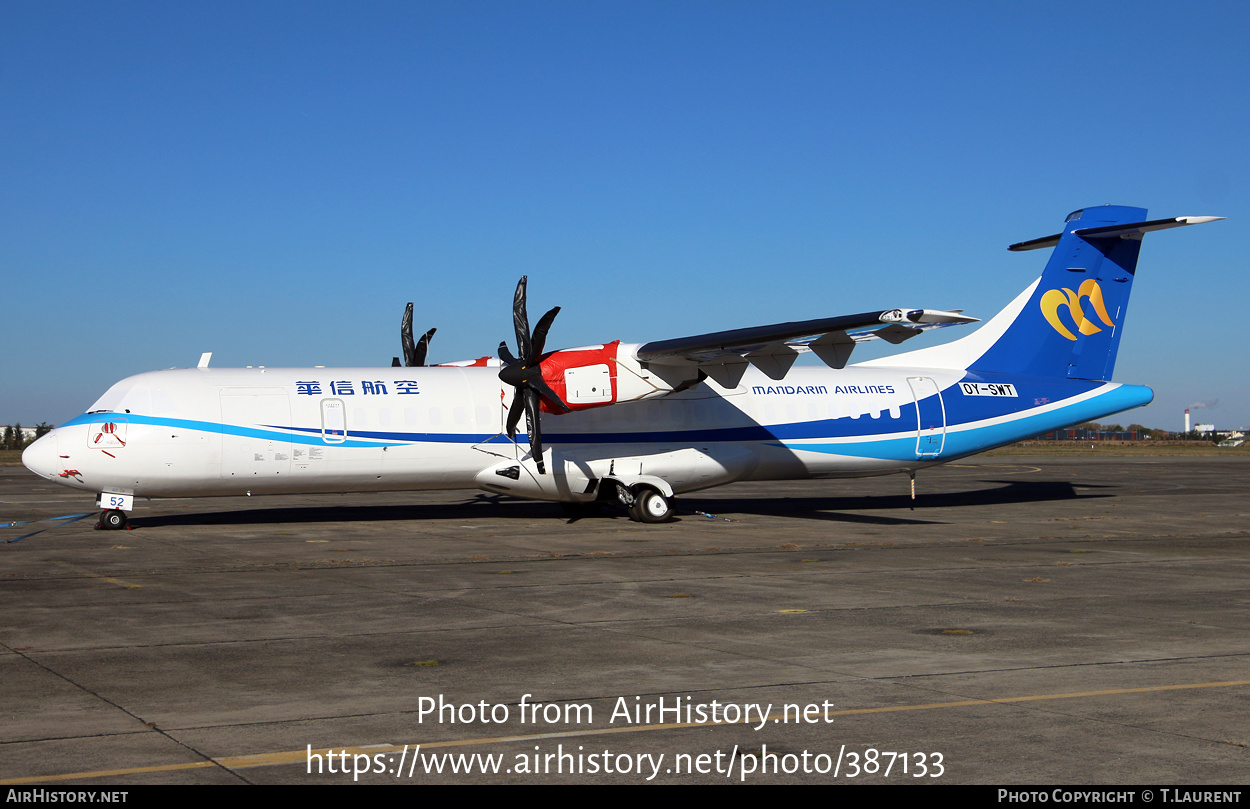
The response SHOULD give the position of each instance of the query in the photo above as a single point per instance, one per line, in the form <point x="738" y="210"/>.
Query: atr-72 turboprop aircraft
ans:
<point x="634" y="423"/>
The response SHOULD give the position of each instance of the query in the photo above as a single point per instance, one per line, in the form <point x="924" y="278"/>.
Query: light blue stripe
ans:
<point x="979" y="439"/>
<point x="226" y="429"/>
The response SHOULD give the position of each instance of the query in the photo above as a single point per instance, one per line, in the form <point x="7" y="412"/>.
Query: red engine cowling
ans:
<point x="583" y="377"/>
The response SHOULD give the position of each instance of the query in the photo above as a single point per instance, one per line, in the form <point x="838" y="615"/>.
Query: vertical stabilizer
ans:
<point x="1068" y="323"/>
<point x="1071" y="324"/>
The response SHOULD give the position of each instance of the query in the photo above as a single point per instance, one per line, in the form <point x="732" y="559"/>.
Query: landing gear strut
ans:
<point x="113" y="520"/>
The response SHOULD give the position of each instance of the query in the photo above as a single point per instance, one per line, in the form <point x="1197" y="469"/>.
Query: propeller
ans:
<point x="526" y="375"/>
<point x="414" y="353"/>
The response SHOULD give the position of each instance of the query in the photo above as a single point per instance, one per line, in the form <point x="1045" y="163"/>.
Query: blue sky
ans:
<point x="273" y="181"/>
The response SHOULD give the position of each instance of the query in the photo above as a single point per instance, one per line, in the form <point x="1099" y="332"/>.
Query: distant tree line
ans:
<point x="15" y="438"/>
<point x="1151" y="432"/>
<point x="1112" y="428"/>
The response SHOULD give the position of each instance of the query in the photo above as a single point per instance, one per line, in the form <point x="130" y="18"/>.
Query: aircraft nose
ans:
<point x="43" y="456"/>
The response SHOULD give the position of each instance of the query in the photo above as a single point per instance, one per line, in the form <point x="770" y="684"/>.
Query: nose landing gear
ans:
<point x="112" y="520"/>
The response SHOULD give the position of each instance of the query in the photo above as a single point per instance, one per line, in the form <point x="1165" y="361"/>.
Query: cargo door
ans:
<point x="930" y="416"/>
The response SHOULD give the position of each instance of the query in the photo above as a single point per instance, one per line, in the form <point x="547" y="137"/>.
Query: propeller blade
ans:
<point x="525" y="374"/>
<point x="514" y="413"/>
<point x="535" y="430"/>
<point x="423" y="346"/>
<point x="540" y="385"/>
<point x="405" y="337"/>
<point x="520" y="321"/>
<point x="540" y="331"/>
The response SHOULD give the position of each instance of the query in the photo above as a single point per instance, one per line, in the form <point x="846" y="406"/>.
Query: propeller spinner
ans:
<point x="525" y="374"/>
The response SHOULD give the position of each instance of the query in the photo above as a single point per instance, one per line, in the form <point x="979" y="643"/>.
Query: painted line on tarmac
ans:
<point x="301" y="756"/>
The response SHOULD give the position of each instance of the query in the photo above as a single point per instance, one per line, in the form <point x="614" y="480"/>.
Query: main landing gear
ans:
<point x="112" y="520"/>
<point x="645" y="504"/>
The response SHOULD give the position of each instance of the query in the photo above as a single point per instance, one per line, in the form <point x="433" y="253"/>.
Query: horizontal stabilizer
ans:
<point x="1132" y="230"/>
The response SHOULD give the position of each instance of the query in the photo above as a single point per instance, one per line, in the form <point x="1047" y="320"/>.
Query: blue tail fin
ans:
<point x="1071" y="325"/>
<point x="1067" y="325"/>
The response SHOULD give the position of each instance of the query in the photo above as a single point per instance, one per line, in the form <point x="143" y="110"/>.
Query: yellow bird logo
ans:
<point x="1089" y="290"/>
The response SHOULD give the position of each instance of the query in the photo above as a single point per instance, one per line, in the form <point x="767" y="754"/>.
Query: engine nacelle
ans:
<point x="597" y="376"/>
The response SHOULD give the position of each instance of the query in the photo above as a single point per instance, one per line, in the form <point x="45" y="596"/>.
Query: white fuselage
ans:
<point x="207" y="431"/>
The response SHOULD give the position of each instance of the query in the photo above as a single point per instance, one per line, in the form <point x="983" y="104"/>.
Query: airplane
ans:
<point x="631" y="423"/>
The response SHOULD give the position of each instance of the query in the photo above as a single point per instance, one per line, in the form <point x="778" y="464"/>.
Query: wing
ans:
<point x="724" y="355"/>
